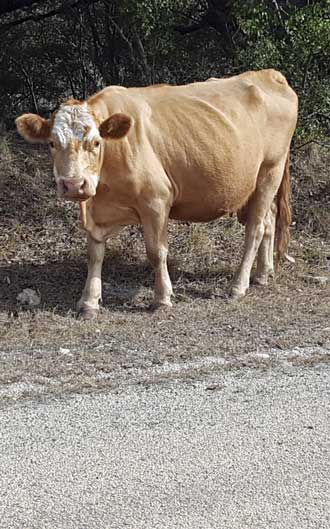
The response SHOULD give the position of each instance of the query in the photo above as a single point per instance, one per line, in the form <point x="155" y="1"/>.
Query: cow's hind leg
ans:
<point x="260" y="204"/>
<point x="88" y="305"/>
<point x="265" y="260"/>
<point x="155" y="222"/>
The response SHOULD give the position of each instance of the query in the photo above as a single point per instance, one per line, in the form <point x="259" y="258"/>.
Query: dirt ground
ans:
<point x="48" y="350"/>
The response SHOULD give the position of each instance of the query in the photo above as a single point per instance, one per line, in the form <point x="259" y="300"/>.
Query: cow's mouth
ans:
<point x="73" y="198"/>
<point x="75" y="190"/>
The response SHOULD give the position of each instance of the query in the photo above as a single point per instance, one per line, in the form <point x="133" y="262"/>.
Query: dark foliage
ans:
<point x="52" y="50"/>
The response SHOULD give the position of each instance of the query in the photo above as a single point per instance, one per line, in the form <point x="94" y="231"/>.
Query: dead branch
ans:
<point x="317" y="142"/>
<point x="36" y="18"/>
<point x="8" y="6"/>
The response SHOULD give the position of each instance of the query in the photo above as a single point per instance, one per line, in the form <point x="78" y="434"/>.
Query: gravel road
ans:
<point x="246" y="449"/>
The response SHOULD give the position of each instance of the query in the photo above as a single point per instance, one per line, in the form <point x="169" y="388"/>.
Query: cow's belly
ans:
<point x="203" y="199"/>
<point x="187" y="213"/>
<point x="212" y="178"/>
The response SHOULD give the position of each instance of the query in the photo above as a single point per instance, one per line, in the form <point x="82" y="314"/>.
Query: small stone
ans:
<point x="322" y="280"/>
<point x="29" y="297"/>
<point x="289" y="258"/>
<point x="64" y="351"/>
<point x="262" y="356"/>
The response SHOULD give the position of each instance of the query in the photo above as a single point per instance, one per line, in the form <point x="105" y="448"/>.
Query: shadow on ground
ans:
<point x="60" y="283"/>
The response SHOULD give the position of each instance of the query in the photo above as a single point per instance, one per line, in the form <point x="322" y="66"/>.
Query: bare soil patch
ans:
<point x="43" y="248"/>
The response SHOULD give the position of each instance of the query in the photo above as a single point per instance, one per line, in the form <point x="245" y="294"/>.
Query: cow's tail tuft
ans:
<point x="284" y="216"/>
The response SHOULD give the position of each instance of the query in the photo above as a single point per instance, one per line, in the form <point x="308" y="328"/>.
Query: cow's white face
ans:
<point x="76" y="148"/>
<point x="76" y="144"/>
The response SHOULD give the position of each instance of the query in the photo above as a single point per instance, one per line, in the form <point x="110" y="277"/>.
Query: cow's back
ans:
<point x="206" y="140"/>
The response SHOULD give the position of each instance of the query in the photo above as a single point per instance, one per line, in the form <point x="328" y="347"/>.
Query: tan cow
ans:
<point x="193" y="153"/>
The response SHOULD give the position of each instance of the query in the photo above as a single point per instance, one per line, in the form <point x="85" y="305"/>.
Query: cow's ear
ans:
<point x="33" y="128"/>
<point x="116" y="126"/>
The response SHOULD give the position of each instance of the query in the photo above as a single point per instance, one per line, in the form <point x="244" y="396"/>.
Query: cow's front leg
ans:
<point x="88" y="305"/>
<point x="156" y="240"/>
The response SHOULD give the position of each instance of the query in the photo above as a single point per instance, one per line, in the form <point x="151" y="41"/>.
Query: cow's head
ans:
<point x="76" y="141"/>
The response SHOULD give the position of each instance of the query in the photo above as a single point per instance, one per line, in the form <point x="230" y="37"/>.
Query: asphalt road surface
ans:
<point x="247" y="449"/>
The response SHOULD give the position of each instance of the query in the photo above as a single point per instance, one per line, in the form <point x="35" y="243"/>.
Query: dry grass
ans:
<point x="42" y="248"/>
<point x="311" y="196"/>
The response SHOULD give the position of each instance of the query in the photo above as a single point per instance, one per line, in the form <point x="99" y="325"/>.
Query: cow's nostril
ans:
<point x="73" y="187"/>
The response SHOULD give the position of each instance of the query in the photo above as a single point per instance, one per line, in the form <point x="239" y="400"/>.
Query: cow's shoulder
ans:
<point x="103" y="95"/>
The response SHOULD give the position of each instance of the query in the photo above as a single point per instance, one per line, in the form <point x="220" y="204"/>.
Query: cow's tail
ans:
<point x="284" y="216"/>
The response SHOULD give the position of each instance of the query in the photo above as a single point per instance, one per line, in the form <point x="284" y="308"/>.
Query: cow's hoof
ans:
<point x="235" y="295"/>
<point x="261" y="281"/>
<point x="87" y="313"/>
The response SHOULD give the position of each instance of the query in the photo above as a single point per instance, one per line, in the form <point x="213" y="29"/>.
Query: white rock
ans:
<point x="262" y="356"/>
<point x="323" y="280"/>
<point x="289" y="258"/>
<point x="64" y="351"/>
<point x="29" y="297"/>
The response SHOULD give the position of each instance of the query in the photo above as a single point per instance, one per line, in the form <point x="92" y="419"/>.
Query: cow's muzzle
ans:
<point x="75" y="189"/>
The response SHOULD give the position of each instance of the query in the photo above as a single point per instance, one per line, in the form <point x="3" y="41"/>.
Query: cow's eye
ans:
<point x="52" y="145"/>
<point x="96" y="144"/>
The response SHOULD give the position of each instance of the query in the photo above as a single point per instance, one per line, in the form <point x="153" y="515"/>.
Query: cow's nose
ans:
<point x="73" y="187"/>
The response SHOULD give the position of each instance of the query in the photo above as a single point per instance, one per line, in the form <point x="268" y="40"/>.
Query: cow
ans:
<point x="192" y="153"/>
